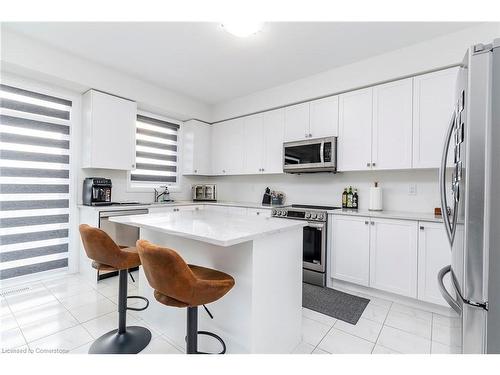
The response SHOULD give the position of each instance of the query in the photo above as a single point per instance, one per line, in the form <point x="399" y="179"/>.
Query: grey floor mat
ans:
<point x="334" y="303"/>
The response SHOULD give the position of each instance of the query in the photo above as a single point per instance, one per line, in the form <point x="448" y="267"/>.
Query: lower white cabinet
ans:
<point x="433" y="254"/>
<point x="393" y="256"/>
<point x="350" y="260"/>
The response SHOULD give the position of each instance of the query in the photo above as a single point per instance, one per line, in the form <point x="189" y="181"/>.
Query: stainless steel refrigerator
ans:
<point x="473" y="227"/>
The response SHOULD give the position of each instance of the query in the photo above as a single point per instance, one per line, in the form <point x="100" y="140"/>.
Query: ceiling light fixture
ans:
<point x="242" y="29"/>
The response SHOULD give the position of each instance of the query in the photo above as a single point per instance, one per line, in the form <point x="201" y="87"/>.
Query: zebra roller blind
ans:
<point x="156" y="152"/>
<point x="34" y="182"/>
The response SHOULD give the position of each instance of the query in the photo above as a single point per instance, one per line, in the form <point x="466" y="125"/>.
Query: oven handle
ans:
<point x="316" y="226"/>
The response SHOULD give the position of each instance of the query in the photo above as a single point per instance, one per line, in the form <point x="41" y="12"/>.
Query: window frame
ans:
<point x="147" y="188"/>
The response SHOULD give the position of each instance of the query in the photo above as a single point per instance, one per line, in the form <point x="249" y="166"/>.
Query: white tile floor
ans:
<point x="66" y="314"/>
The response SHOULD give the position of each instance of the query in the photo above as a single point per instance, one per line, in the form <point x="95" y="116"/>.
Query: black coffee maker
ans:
<point x="96" y="191"/>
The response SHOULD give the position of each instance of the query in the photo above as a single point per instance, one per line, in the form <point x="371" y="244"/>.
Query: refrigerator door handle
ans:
<point x="450" y="232"/>
<point x="446" y="295"/>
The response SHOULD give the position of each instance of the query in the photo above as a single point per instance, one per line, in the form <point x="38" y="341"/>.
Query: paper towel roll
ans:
<point x="375" y="198"/>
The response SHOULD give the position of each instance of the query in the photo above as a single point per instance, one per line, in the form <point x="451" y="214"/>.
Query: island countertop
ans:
<point x="217" y="228"/>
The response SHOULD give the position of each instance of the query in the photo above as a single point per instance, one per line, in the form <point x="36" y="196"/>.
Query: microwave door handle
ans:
<point x="321" y="152"/>
<point x="442" y="180"/>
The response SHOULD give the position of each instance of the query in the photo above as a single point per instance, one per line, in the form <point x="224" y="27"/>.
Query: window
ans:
<point x="156" y="153"/>
<point x="34" y="182"/>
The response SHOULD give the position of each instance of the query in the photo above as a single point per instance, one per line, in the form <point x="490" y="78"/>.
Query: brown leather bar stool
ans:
<point x="106" y="255"/>
<point x="179" y="284"/>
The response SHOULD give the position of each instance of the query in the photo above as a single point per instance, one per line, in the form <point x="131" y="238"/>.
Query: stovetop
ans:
<point x="312" y="207"/>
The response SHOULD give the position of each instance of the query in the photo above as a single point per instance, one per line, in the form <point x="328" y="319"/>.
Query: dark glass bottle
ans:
<point x="349" y="198"/>
<point x="355" y="201"/>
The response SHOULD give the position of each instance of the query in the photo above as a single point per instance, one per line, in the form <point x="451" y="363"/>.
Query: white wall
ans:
<point x="327" y="188"/>
<point x="29" y="58"/>
<point x="433" y="54"/>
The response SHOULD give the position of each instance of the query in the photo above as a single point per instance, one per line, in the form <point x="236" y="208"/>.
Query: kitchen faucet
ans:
<point x="165" y="194"/>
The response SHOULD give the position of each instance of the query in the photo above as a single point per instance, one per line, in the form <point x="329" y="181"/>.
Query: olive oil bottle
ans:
<point x="349" y="198"/>
<point x="344" y="198"/>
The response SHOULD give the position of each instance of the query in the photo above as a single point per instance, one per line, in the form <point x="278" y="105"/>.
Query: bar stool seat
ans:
<point x="179" y="284"/>
<point x="106" y="255"/>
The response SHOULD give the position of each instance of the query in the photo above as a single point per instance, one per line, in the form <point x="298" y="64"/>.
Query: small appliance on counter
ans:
<point x="375" y="198"/>
<point x="350" y="198"/>
<point x="205" y="192"/>
<point x="96" y="191"/>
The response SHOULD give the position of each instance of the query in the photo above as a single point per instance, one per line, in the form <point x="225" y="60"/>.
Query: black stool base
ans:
<point x="132" y="341"/>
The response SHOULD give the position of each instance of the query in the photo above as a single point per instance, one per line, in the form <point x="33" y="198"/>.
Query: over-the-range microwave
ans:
<point x="311" y="155"/>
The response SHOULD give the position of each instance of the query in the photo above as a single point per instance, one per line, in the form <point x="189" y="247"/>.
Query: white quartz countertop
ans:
<point x="401" y="215"/>
<point x="221" y="229"/>
<point x="176" y="204"/>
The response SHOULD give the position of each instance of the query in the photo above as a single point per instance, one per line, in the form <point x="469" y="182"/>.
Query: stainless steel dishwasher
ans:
<point x="123" y="235"/>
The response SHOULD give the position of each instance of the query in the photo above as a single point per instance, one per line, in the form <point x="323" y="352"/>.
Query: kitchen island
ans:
<point x="262" y="313"/>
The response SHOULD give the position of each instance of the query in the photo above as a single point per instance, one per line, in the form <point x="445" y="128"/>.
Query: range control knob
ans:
<point x="313" y="216"/>
<point x="308" y="215"/>
<point x="321" y="216"/>
<point x="283" y="213"/>
<point x="274" y="212"/>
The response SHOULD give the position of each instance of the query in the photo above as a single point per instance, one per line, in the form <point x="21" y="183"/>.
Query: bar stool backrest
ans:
<point x="100" y="247"/>
<point x="166" y="271"/>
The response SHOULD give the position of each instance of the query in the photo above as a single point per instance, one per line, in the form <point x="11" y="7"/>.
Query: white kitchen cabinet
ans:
<point x="433" y="254"/>
<point x="254" y="144"/>
<point x="108" y="136"/>
<point x="227" y="147"/>
<point x="350" y="258"/>
<point x="355" y="130"/>
<point x="196" y="148"/>
<point x="393" y="256"/>
<point x="274" y="123"/>
<point x="262" y="212"/>
<point x="324" y="117"/>
<point x="433" y="102"/>
<point x="297" y="122"/>
<point x="392" y="125"/>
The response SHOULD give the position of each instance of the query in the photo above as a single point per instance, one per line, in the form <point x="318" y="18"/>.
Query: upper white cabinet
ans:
<point x="297" y="122"/>
<point x="392" y="125"/>
<point x="433" y="254"/>
<point x="324" y="117"/>
<point x="196" y="148"/>
<point x="274" y="123"/>
<point x="433" y="101"/>
<point x="108" y="136"/>
<point x="315" y="119"/>
<point x="350" y="258"/>
<point x="227" y="147"/>
<point x="355" y="130"/>
<point x="393" y="256"/>
<point x="263" y="142"/>
<point x="253" y="144"/>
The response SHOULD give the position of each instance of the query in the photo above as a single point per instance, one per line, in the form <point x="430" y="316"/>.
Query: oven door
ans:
<point x="314" y="246"/>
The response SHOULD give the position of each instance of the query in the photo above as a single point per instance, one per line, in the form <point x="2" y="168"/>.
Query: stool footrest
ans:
<point x="139" y="308"/>
<point x="218" y="338"/>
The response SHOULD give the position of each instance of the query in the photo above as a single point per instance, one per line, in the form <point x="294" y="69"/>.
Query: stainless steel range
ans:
<point x="314" y="238"/>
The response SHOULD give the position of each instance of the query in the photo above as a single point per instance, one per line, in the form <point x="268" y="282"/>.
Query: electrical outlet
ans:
<point x="412" y="189"/>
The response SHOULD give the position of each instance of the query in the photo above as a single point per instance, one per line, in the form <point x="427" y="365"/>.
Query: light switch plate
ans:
<point x="412" y="189"/>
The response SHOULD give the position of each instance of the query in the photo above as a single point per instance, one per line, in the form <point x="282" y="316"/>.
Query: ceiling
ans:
<point x="204" y="62"/>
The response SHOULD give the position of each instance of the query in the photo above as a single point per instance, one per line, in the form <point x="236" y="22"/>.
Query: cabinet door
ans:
<point x="219" y="145"/>
<point x="392" y="125"/>
<point x="274" y="122"/>
<point x="253" y="144"/>
<point x="196" y="141"/>
<point x="350" y="258"/>
<point x="355" y="130"/>
<point x="324" y="117"/>
<point x="233" y="137"/>
<point x="111" y="118"/>
<point x="393" y="256"/>
<point x="433" y="101"/>
<point x="297" y="122"/>
<point x="433" y="254"/>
